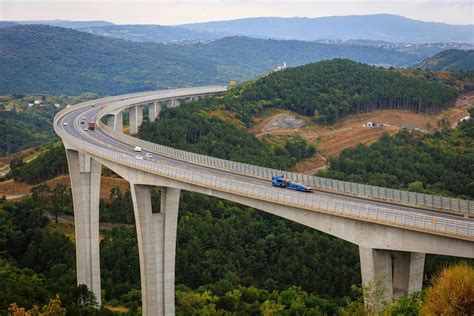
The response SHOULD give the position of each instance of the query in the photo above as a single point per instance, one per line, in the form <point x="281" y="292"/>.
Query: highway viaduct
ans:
<point x="393" y="229"/>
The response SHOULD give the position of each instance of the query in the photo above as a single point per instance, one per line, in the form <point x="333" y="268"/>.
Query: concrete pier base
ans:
<point x="85" y="183"/>
<point x="383" y="283"/>
<point x="408" y="270"/>
<point x="156" y="234"/>
<point x="115" y="121"/>
<point x="135" y="118"/>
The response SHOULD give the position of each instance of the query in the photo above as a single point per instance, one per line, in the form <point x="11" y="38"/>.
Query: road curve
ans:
<point x="68" y="126"/>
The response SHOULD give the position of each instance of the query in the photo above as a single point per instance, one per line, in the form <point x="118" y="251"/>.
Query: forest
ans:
<point x="440" y="163"/>
<point x="330" y="90"/>
<point x="24" y="124"/>
<point x="230" y="259"/>
<point x="52" y="60"/>
<point x="49" y="164"/>
<point x="207" y="127"/>
<point x="450" y="60"/>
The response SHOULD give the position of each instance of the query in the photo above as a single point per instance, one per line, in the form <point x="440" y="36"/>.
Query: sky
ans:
<point x="169" y="12"/>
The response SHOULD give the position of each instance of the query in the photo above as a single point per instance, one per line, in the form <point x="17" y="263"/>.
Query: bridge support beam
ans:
<point x="85" y="183"/>
<point x="135" y="118"/>
<point x="156" y="234"/>
<point x="115" y="121"/>
<point x="154" y="110"/>
<point x="384" y="284"/>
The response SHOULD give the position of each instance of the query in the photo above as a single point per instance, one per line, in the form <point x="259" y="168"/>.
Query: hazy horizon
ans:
<point x="165" y="12"/>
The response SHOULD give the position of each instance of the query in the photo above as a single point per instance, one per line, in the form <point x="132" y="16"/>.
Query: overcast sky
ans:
<point x="187" y="11"/>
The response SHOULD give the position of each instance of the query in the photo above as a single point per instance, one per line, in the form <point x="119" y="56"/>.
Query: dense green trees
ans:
<point x="210" y="128"/>
<point x="44" y="59"/>
<point x="35" y="264"/>
<point x="439" y="163"/>
<point x="450" y="60"/>
<point x="330" y="90"/>
<point x="47" y="165"/>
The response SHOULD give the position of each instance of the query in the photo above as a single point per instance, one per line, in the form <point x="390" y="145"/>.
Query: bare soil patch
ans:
<point x="330" y="141"/>
<point x="13" y="188"/>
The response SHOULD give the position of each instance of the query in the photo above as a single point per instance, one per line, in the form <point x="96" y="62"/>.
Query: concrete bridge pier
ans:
<point x="154" y="110"/>
<point x="156" y="234"/>
<point x="385" y="283"/>
<point x="135" y="118"/>
<point x="115" y="121"/>
<point x="85" y="183"/>
<point x="408" y="270"/>
<point x="173" y="103"/>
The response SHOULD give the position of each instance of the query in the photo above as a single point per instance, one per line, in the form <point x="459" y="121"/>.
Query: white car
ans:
<point x="65" y="124"/>
<point x="138" y="149"/>
<point x="139" y="157"/>
<point x="148" y="155"/>
<point x="86" y="129"/>
<point x="124" y="156"/>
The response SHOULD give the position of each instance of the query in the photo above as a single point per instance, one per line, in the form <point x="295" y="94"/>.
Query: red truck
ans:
<point x="91" y="125"/>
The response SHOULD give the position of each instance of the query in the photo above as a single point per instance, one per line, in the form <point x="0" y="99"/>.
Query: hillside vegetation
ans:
<point x="450" y="60"/>
<point x="441" y="163"/>
<point x="330" y="90"/>
<point x="24" y="124"/>
<point x="51" y="60"/>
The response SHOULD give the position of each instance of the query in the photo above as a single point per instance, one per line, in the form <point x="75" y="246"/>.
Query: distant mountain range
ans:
<point x="384" y="27"/>
<point x="153" y="33"/>
<point x="368" y="28"/>
<point x="450" y="60"/>
<point x="53" y="60"/>
<point x="64" y="23"/>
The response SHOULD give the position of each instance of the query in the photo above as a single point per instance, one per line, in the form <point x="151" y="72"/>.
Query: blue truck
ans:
<point x="281" y="182"/>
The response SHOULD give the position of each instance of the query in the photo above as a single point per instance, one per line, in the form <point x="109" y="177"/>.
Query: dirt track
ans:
<point x="330" y="141"/>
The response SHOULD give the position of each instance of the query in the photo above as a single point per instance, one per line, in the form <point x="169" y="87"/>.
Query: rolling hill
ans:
<point x="152" y="33"/>
<point x="385" y="27"/>
<point x="450" y="60"/>
<point x="51" y="60"/>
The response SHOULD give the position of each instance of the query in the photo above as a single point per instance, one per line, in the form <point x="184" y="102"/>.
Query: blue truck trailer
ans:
<point x="281" y="182"/>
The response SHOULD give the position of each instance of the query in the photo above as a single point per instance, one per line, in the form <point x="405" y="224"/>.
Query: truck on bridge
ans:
<point x="281" y="182"/>
<point x="91" y="125"/>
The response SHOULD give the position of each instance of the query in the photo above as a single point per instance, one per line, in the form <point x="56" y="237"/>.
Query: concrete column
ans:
<point x="135" y="118"/>
<point x="173" y="103"/>
<point x="154" y="110"/>
<point x="85" y="183"/>
<point x="115" y="121"/>
<point x="376" y="268"/>
<point x="156" y="234"/>
<point x="408" y="270"/>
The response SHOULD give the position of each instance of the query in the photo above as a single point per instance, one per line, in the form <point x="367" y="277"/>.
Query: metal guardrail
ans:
<point x="359" y="211"/>
<point x="455" y="205"/>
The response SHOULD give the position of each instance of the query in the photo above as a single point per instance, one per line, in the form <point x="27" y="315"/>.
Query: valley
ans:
<point x="381" y="101"/>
